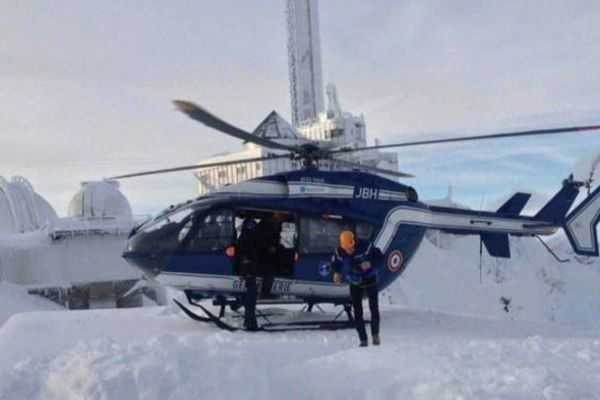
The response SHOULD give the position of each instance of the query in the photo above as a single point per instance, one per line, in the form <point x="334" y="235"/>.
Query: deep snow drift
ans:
<point x="14" y="299"/>
<point x="538" y="286"/>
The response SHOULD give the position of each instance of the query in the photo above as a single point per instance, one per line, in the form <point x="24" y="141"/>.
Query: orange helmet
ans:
<point x="347" y="241"/>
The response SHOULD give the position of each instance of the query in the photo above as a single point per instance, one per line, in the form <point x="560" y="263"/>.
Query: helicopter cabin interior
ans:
<point x="301" y="235"/>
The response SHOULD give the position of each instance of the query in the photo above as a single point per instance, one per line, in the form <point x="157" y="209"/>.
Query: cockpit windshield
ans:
<point x="175" y="218"/>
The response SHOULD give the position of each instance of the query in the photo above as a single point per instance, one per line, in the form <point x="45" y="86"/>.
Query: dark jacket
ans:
<point x="246" y="250"/>
<point x="268" y="234"/>
<point x="342" y="262"/>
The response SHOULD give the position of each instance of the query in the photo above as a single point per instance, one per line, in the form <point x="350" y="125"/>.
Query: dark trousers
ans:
<point x="356" y="294"/>
<point x="249" y="300"/>
<point x="267" y="272"/>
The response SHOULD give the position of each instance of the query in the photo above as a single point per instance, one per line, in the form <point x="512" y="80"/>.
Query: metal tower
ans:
<point x="304" y="60"/>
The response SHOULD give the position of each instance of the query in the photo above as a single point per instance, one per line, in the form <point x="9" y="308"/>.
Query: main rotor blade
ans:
<point x="372" y="169"/>
<point x="479" y="137"/>
<point x="198" y="113"/>
<point x="198" y="166"/>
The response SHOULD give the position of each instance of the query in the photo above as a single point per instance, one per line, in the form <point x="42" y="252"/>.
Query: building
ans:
<point x="304" y="60"/>
<point x="76" y="260"/>
<point x="330" y="127"/>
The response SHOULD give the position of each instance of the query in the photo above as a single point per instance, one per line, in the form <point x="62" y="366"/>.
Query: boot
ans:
<point x="251" y="326"/>
<point x="376" y="340"/>
<point x="250" y="323"/>
<point x="363" y="343"/>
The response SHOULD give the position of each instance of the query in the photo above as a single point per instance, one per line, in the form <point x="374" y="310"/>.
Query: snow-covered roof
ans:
<point x="100" y="200"/>
<point x="21" y="208"/>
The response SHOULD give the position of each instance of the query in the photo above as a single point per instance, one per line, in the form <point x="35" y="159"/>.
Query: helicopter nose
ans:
<point x="142" y="255"/>
<point x="151" y="265"/>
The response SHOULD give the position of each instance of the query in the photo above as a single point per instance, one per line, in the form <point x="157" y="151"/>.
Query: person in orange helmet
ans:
<point x="356" y="258"/>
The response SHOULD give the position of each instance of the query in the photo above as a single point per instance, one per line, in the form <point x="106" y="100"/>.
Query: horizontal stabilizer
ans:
<point x="496" y="244"/>
<point x="581" y="224"/>
<point x="514" y="205"/>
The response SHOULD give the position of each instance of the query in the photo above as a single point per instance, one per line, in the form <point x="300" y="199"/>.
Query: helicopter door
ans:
<point x="287" y="238"/>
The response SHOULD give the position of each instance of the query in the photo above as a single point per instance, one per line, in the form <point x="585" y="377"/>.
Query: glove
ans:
<point x="337" y="278"/>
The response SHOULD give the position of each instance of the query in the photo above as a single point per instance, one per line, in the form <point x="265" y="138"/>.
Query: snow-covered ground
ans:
<point x="445" y="335"/>
<point x="538" y="286"/>
<point x="156" y="353"/>
<point x="14" y="299"/>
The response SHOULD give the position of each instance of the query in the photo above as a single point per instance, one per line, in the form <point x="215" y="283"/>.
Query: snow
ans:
<point x="100" y="200"/>
<point x="157" y="353"/>
<point x="445" y="335"/>
<point x="14" y="299"/>
<point x="21" y="208"/>
<point x="539" y="287"/>
<point x="35" y="260"/>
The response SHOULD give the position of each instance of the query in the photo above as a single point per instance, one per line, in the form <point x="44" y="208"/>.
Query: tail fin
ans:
<point x="514" y="205"/>
<point x="580" y="225"/>
<point x="555" y="210"/>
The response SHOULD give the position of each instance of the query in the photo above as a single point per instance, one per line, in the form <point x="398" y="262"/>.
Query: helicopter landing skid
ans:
<point x="268" y="326"/>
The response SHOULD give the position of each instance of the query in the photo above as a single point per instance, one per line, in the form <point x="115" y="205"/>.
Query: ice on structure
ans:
<point x="40" y="250"/>
<point x="100" y="200"/>
<point x="21" y="208"/>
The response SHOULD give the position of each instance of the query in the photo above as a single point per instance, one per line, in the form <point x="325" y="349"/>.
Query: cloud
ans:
<point x="86" y="87"/>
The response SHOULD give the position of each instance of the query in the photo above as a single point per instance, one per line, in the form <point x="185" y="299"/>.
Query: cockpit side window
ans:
<point x="321" y="236"/>
<point x="364" y="230"/>
<point x="163" y="235"/>
<point x="209" y="233"/>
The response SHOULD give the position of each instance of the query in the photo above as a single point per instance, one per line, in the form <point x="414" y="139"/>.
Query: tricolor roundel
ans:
<point x="395" y="261"/>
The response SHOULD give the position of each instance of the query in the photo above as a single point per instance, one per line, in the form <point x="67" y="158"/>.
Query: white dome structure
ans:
<point x="21" y="208"/>
<point x="100" y="200"/>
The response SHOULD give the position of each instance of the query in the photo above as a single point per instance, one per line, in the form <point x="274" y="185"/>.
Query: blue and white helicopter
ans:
<point x="192" y="246"/>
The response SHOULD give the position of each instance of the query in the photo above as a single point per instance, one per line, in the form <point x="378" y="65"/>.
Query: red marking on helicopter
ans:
<point x="328" y="217"/>
<point x="395" y="261"/>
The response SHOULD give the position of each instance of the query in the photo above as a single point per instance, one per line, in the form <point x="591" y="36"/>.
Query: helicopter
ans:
<point x="191" y="246"/>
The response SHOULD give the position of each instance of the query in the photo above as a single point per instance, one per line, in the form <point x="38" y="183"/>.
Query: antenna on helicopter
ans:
<point x="590" y="179"/>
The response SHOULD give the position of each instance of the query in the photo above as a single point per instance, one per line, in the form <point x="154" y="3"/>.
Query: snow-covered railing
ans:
<point x="68" y="227"/>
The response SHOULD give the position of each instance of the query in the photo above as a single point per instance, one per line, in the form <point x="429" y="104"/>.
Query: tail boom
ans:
<point x="494" y="227"/>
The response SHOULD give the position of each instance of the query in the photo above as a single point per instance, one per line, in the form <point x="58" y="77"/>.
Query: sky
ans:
<point x="86" y="88"/>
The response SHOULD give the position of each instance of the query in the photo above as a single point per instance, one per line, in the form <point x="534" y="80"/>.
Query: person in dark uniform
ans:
<point x="246" y="251"/>
<point x="268" y="237"/>
<point x="356" y="259"/>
